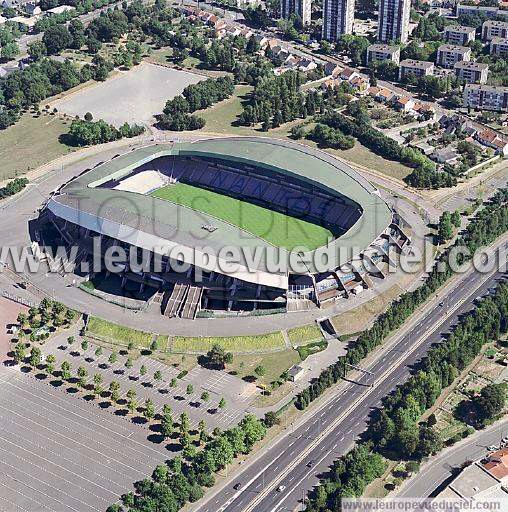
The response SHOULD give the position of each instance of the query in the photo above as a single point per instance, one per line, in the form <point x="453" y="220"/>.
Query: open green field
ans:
<point x="119" y="334"/>
<point x="304" y="334"/>
<point x="263" y="342"/>
<point x="31" y="142"/>
<point x="276" y="228"/>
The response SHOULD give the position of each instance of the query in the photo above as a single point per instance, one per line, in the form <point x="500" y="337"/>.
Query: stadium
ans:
<point x="189" y="205"/>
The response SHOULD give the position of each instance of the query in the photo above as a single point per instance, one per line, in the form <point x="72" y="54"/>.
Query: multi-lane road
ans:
<point x="277" y="479"/>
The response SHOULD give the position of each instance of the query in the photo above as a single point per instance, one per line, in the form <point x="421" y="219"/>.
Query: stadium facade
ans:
<point x="114" y="204"/>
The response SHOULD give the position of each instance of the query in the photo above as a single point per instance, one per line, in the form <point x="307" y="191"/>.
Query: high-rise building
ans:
<point x="301" y="8"/>
<point x="338" y="17"/>
<point x="393" y="20"/>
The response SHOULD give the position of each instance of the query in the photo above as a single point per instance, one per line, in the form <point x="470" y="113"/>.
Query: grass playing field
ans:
<point x="276" y="228"/>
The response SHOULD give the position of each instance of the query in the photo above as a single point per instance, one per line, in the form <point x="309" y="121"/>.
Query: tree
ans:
<point x="56" y="39"/>
<point x="490" y="402"/>
<point x="202" y="431"/>
<point x="84" y="345"/>
<point x="455" y="219"/>
<point x="98" y="351"/>
<point x="20" y="353"/>
<point x="70" y="340"/>
<point x="88" y="116"/>
<point x="131" y="400"/>
<point x="128" y="363"/>
<point x="9" y="51"/>
<point x="65" y="370"/>
<point x="297" y="132"/>
<point x="271" y="419"/>
<point x="35" y="357"/>
<point x="190" y="389"/>
<point x="37" y="50"/>
<point x="98" y="388"/>
<point x="82" y="374"/>
<point x="114" y="390"/>
<point x="130" y="346"/>
<point x="113" y="357"/>
<point x="184" y="422"/>
<point x="50" y="364"/>
<point x="222" y="403"/>
<point x="167" y="425"/>
<point x="157" y="375"/>
<point x="445" y="228"/>
<point x="142" y="370"/>
<point x="149" y="410"/>
<point x="173" y="383"/>
<point x="217" y="357"/>
<point x="205" y="396"/>
<point x="260" y="371"/>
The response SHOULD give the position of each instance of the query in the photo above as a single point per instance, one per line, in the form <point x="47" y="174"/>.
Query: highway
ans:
<point x="332" y="430"/>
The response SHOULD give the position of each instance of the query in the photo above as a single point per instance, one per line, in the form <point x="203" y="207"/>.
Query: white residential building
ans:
<point x="301" y="8"/>
<point x="393" y="20"/>
<point x="415" y="67"/>
<point x="459" y="34"/>
<point x="472" y="72"/>
<point x="494" y="28"/>
<point x="383" y="52"/>
<point x="448" y="55"/>
<point x="498" y="46"/>
<point x="338" y="18"/>
<point x="486" y="97"/>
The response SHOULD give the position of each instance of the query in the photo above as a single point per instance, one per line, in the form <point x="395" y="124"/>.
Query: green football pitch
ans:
<point x="274" y="227"/>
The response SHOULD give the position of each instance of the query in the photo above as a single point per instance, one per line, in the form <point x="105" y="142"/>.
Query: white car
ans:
<point x="492" y="448"/>
<point x="281" y="488"/>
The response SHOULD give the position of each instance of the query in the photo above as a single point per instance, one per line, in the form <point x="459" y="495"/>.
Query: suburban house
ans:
<point x="493" y="140"/>
<point x="445" y="156"/>
<point x="405" y="103"/>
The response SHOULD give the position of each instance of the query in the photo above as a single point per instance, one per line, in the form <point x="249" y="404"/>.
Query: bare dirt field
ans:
<point x="133" y="96"/>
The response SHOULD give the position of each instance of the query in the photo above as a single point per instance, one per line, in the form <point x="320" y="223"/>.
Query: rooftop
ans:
<point x="383" y="48"/>
<point x="495" y="23"/>
<point x="454" y="48"/>
<point x="411" y="63"/>
<point x="462" y="29"/>
<point x="83" y="198"/>
<point x="487" y="88"/>
<point x="478" y="66"/>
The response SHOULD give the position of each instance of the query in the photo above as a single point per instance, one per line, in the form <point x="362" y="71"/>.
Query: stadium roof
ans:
<point x="147" y="222"/>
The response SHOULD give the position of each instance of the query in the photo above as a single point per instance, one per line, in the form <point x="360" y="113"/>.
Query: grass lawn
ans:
<point x="221" y="118"/>
<point x="305" y="351"/>
<point x="274" y="364"/>
<point x="30" y="143"/>
<point x="271" y="341"/>
<point x="276" y="228"/>
<point x="118" y="334"/>
<point x="360" y="318"/>
<point x="304" y="334"/>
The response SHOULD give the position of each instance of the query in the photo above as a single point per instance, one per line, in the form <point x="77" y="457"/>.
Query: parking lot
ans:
<point x="134" y="96"/>
<point x="58" y="453"/>
<point x="237" y="393"/>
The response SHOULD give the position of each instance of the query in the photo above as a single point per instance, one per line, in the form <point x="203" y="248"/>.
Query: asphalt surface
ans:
<point x="283" y="468"/>
<point x="440" y="468"/>
<point x="60" y="453"/>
